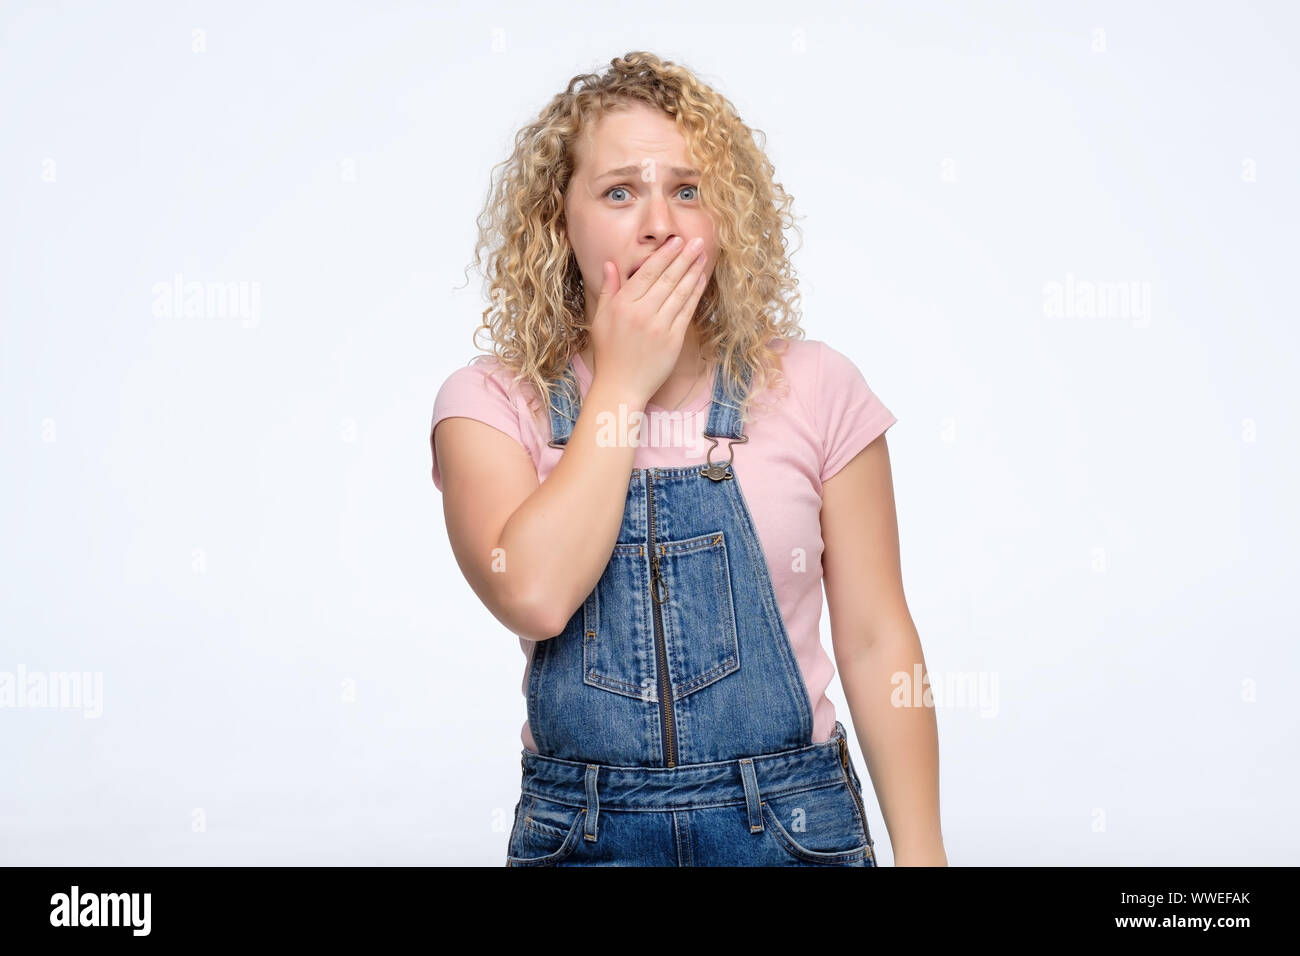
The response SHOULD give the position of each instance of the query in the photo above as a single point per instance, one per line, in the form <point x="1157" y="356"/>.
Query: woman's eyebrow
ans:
<point x="635" y="170"/>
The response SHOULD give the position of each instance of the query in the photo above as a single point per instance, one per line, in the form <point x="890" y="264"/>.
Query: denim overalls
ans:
<point x="672" y="722"/>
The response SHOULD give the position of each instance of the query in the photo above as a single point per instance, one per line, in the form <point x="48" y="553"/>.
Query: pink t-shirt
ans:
<point x="795" y="444"/>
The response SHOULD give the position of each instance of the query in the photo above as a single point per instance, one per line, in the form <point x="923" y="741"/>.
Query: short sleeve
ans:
<point x="849" y="416"/>
<point x="472" y="391"/>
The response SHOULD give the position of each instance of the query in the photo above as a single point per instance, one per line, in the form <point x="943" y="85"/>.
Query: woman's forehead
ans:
<point x="636" y="136"/>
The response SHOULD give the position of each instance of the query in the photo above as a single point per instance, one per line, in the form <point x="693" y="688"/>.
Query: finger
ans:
<point x="609" y="284"/>
<point x="677" y="283"/>
<point x="691" y="296"/>
<point x="666" y="257"/>
<point x="685" y="287"/>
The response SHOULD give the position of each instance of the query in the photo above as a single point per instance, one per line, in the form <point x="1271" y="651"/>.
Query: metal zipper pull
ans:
<point x="659" y="582"/>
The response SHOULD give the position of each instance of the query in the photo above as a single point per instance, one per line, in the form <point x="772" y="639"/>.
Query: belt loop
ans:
<point x="593" y="801"/>
<point x="750" y="780"/>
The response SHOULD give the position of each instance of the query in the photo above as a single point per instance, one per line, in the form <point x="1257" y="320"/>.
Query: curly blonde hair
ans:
<point x="537" y="318"/>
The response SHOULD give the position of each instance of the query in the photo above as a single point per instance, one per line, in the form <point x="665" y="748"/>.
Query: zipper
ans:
<point x="844" y="761"/>
<point x="661" y="650"/>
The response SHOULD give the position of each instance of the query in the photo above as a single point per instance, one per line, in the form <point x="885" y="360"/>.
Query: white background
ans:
<point x="233" y="521"/>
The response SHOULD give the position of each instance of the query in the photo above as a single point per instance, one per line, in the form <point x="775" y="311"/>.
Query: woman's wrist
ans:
<point x="921" y="855"/>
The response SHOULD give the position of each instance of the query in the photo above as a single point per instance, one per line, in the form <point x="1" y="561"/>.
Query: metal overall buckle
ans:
<point x="717" y="471"/>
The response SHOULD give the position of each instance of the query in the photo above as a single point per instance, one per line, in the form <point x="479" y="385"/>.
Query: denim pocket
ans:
<point x="622" y="620"/>
<point x="818" y="826"/>
<point x="545" y="832"/>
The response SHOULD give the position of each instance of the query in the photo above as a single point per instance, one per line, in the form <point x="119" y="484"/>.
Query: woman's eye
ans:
<point x="624" y="189"/>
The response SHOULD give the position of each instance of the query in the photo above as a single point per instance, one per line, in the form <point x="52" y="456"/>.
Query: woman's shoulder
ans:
<point x="476" y="369"/>
<point x="796" y="355"/>
<point x="826" y="382"/>
<point x="484" y="389"/>
<point x="486" y="378"/>
<point x="799" y="363"/>
<point x="816" y="361"/>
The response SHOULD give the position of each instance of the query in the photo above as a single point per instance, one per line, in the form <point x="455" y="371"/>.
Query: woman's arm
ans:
<point x="874" y="638"/>
<point x="533" y="552"/>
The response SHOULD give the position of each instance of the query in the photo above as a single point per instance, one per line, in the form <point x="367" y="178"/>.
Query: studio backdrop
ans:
<point x="236" y="249"/>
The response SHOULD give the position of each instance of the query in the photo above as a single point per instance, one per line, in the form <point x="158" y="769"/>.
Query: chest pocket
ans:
<point x="697" y="620"/>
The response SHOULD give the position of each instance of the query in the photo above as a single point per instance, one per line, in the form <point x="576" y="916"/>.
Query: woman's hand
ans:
<point x="638" y="328"/>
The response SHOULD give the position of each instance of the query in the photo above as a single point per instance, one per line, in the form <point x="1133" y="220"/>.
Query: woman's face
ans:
<point x="632" y="190"/>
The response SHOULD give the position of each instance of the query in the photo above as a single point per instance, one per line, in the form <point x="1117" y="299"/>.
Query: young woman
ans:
<point x="648" y="481"/>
